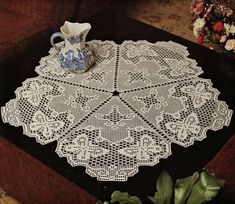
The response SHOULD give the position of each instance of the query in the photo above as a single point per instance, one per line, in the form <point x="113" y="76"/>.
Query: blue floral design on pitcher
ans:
<point x="75" y="39"/>
<point x="78" y="60"/>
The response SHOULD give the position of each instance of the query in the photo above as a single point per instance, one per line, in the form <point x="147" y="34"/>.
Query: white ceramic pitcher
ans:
<point x="74" y="55"/>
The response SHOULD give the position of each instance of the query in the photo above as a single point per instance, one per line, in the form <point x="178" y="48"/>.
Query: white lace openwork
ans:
<point x="124" y="112"/>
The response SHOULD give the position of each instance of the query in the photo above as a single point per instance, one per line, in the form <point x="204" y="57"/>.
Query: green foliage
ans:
<point x="206" y="188"/>
<point x="183" y="188"/>
<point x="124" y="198"/>
<point x="164" y="189"/>
<point x="195" y="189"/>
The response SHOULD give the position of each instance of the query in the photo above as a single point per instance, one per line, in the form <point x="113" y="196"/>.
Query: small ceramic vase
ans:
<point x="74" y="55"/>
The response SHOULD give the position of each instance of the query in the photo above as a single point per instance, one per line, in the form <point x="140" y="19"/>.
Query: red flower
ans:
<point x="200" y="39"/>
<point x="218" y="26"/>
<point x="216" y="37"/>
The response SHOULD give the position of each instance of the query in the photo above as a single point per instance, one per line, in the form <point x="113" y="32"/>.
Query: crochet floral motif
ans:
<point x="124" y="112"/>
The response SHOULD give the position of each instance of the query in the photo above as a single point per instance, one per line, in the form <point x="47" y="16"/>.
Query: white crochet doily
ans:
<point x="124" y="112"/>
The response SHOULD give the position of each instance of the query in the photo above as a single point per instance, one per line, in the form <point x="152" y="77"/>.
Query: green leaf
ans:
<point x="164" y="189"/>
<point x="183" y="188"/>
<point x="205" y="189"/>
<point x="124" y="198"/>
<point x="155" y="199"/>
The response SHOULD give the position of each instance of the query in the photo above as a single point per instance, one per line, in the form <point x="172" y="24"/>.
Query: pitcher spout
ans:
<point x="75" y="33"/>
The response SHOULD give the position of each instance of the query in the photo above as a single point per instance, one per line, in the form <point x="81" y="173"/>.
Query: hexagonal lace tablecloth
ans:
<point x="124" y="112"/>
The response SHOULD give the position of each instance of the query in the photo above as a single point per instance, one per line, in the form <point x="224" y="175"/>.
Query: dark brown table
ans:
<point x="111" y="25"/>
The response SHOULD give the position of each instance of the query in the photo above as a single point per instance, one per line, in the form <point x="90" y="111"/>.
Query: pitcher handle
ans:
<point x="55" y="35"/>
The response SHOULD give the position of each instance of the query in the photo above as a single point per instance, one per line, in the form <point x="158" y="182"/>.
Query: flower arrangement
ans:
<point x="215" y="22"/>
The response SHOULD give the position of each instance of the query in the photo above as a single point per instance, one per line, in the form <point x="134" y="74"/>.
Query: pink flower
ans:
<point x="223" y="39"/>
<point x="198" y="8"/>
<point x="208" y="11"/>
<point x="230" y="45"/>
<point x="216" y="37"/>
